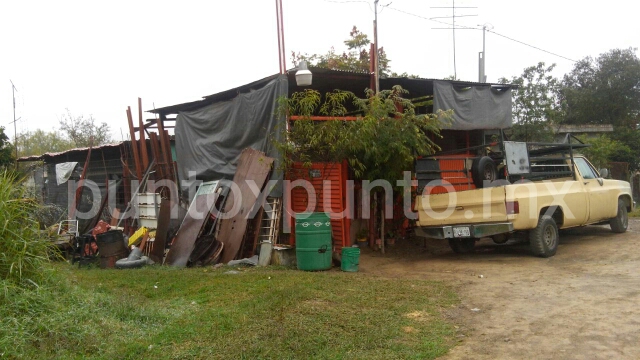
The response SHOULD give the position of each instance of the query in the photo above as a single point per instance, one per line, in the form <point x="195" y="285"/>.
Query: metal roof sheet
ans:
<point x="50" y="155"/>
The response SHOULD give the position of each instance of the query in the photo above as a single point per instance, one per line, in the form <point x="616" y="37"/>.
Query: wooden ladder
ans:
<point x="269" y="230"/>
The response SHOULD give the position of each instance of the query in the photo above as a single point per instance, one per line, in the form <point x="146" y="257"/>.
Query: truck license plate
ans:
<point x="462" y="231"/>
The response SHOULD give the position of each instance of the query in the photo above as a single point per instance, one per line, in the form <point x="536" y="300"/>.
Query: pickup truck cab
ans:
<point x="578" y="195"/>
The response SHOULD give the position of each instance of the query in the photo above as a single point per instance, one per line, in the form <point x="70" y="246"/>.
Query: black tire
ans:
<point x="544" y="238"/>
<point x="131" y="264"/>
<point x="462" y="246"/>
<point x="483" y="169"/>
<point x="620" y="223"/>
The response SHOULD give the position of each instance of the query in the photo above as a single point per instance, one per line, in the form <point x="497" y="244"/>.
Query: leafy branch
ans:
<point x="382" y="143"/>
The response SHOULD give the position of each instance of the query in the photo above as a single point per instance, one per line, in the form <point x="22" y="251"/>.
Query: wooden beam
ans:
<point x="165" y="119"/>
<point x="169" y="157"/>
<point x="157" y="156"/>
<point x="143" y="142"/>
<point x="150" y="126"/>
<point x="165" y="147"/>
<point x="134" y="144"/>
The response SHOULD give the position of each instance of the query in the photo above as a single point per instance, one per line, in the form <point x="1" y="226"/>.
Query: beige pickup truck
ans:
<point x="578" y="196"/>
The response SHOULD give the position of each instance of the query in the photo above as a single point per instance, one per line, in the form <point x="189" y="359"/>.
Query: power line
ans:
<point x="477" y="28"/>
<point x="531" y="46"/>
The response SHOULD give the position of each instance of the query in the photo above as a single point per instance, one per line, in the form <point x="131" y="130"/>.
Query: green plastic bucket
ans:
<point x="350" y="259"/>
<point x="313" y="259"/>
<point x="313" y="241"/>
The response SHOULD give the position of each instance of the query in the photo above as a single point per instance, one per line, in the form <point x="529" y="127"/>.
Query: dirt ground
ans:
<point x="583" y="303"/>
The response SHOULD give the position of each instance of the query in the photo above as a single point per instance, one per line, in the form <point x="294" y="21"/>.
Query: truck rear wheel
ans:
<point x="620" y="223"/>
<point x="462" y="246"/>
<point x="544" y="238"/>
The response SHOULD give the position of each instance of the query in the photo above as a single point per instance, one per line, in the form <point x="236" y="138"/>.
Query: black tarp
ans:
<point x="209" y="140"/>
<point x="475" y="107"/>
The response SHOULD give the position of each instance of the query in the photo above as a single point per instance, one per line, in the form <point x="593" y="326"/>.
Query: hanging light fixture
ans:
<point x="303" y="75"/>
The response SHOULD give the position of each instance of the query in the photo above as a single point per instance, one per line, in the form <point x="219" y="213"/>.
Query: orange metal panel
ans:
<point x="336" y="198"/>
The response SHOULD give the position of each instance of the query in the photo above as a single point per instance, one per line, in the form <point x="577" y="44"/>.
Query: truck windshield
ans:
<point x="585" y="169"/>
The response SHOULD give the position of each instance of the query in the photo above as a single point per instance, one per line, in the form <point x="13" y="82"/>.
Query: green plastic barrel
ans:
<point x="350" y="259"/>
<point x="313" y="241"/>
<point x="313" y="259"/>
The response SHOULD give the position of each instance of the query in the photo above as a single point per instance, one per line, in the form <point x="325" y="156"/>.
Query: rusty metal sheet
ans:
<point x="252" y="165"/>
<point x="193" y="223"/>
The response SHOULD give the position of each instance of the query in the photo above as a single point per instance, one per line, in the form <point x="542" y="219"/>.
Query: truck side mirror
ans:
<point x="604" y="173"/>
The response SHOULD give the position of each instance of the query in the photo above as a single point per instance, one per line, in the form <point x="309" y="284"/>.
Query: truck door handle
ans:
<point x="585" y="183"/>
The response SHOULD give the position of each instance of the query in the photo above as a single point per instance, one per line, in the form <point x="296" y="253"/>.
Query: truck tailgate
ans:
<point x="463" y="207"/>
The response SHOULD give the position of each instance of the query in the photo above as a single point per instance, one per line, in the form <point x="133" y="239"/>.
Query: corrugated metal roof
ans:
<point x="67" y="152"/>
<point x="210" y="99"/>
<point x="324" y="80"/>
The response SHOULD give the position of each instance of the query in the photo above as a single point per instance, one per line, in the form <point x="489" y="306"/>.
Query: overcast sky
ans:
<point x="99" y="57"/>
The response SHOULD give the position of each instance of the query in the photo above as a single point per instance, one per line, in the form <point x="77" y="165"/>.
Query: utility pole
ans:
<point x="15" y="128"/>
<point x="282" y="61"/>
<point x="375" y="41"/>
<point x="482" y="56"/>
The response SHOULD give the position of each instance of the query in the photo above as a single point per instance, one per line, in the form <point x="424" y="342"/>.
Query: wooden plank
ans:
<point x="192" y="225"/>
<point x="134" y="145"/>
<point x="169" y="157"/>
<point x="252" y="165"/>
<point x="258" y="229"/>
<point x="190" y="230"/>
<point x="143" y="142"/>
<point x="162" y="229"/>
<point x="156" y="155"/>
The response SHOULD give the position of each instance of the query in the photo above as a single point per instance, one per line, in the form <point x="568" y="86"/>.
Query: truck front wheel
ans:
<point x="462" y="246"/>
<point x="544" y="238"/>
<point x="620" y="223"/>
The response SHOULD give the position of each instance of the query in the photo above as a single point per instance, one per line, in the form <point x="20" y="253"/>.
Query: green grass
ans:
<point x="635" y="213"/>
<point x="205" y="313"/>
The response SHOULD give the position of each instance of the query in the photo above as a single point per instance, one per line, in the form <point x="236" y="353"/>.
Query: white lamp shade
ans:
<point x="303" y="75"/>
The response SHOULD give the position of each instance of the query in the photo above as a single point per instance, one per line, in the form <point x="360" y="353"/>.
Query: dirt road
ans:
<point x="583" y="303"/>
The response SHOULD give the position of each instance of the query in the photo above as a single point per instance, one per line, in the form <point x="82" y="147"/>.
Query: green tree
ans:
<point x="631" y="139"/>
<point x="356" y="58"/>
<point x="39" y="142"/>
<point x="535" y="105"/>
<point x="604" y="150"/>
<point x="80" y="130"/>
<point x="605" y="90"/>
<point x="7" y="151"/>
<point x="383" y="143"/>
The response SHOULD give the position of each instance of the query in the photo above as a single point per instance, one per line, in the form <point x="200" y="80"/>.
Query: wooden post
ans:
<point x="169" y="156"/>
<point x="134" y="144"/>
<point x="165" y="147"/>
<point x="157" y="156"/>
<point x="143" y="142"/>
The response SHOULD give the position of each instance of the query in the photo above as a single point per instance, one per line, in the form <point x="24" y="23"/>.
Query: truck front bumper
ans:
<point x="460" y="231"/>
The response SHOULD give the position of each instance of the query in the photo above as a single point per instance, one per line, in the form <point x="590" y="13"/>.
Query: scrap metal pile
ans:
<point x="225" y="220"/>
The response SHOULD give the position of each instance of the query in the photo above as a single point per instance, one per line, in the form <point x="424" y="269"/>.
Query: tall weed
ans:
<point x="23" y="253"/>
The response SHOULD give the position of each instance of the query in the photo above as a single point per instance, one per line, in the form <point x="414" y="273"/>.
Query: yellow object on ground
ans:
<point x="137" y="236"/>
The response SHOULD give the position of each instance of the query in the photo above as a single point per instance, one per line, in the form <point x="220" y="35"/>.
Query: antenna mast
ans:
<point x="15" y="128"/>
<point x="453" y="16"/>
